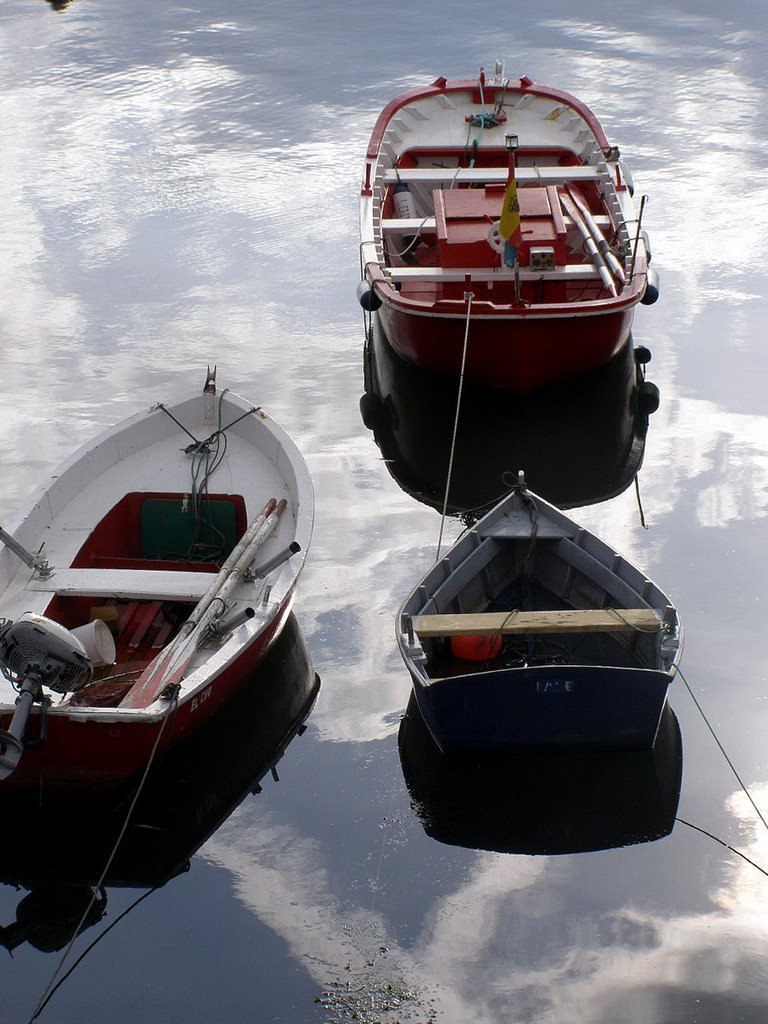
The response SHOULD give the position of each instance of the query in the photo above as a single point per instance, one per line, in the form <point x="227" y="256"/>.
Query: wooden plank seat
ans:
<point x="494" y="175"/>
<point x="126" y="584"/>
<point x="571" y="620"/>
<point x="568" y="272"/>
<point x="413" y="224"/>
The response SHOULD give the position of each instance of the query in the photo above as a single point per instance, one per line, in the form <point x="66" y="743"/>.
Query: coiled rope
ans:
<point x="206" y="456"/>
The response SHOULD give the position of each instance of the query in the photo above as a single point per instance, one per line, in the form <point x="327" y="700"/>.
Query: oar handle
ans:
<point x="597" y="259"/>
<point x="602" y="243"/>
<point x="172" y="661"/>
<point x="36" y="562"/>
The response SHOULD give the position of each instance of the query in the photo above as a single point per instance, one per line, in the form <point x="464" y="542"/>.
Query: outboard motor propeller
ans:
<point x="35" y="652"/>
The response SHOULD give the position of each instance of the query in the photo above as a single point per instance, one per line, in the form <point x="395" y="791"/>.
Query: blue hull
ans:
<point x="545" y="706"/>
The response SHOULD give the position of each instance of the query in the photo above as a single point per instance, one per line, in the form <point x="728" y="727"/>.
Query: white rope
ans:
<point x="468" y="296"/>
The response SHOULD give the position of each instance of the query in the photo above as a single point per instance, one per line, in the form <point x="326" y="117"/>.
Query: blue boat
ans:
<point x="530" y="632"/>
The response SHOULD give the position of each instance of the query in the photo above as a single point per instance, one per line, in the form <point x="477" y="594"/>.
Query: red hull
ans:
<point x="102" y="754"/>
<point x="516" y="355"/>
<point x="507" y="194"/>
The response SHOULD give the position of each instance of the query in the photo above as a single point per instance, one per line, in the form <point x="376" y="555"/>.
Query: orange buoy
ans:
<point x="476" y="648"/>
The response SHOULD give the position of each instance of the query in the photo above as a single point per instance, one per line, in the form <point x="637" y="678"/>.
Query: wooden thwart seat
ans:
<point x="495" y="175"/>
<point x="127" y="584"/>
<point x="571" y="620"/>
<point x="426" y="224"/>
<point x="566" y="272"/>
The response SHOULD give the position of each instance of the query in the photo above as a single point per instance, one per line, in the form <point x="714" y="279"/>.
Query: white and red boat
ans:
<point x="143" y="584"/>
<point x="443" y="163"/>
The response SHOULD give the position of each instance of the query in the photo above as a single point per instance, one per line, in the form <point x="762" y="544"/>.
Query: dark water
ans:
<point x="180" y="187"/>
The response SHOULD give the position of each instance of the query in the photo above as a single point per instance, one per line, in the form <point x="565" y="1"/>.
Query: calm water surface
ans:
<point x="180" y="188"/>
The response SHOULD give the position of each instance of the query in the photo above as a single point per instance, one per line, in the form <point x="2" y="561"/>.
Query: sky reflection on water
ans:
<point x="181" y="188"/>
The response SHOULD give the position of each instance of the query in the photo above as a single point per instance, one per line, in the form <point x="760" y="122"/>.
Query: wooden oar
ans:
<point x="573" y="212"/>
<point x="216" y="584"/>
<point x="602" y="244"/>
<point x="171" y="662"/>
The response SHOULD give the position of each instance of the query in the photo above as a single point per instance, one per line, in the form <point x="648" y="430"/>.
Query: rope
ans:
<point x="88" y="949"/>
<point x="219" y="430"/>
<point x="722" y="842"/>
<point x="51" y="988"/>
<point x="723" y="751"/>
<point x="510" y="480"/>
<point x="632" y="625"/>
<point x="643" y="522"/>
<point x="413" y="239"/>
<point x="468" y="296"/>
<point x="207" y="455"/>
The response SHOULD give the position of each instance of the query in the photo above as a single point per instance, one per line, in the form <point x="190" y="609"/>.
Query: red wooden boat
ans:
<point x="143" y="584"/>
<point x="543" y="293"/>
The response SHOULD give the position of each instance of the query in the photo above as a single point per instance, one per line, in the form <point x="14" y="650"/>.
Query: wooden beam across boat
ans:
<point x="413" y="224"/>
<point x="570" y="620"/>
<point x="566" y="272"/>
<point x="126" y="584"/>
<point x="495" y="175"/>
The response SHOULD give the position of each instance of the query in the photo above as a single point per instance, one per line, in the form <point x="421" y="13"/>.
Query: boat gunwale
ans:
<point x="442" y="87"/>
<point x="627" y="299"/>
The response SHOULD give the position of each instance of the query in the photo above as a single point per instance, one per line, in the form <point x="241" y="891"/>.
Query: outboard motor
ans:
<point x="35" y="652"/>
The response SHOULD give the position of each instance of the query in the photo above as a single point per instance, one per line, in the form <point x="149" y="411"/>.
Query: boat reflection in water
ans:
<point x="579" y="442"/>
<point x="543" y="803"/>
<point x="60" y="850"/>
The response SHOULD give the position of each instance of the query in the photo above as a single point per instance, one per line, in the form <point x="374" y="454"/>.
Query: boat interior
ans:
<point x="453" y="200"/>
<point x="548" y="602"/>
<point x="145" y="533"/>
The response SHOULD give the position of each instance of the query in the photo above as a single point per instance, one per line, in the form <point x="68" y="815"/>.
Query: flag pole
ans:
<point x="509" y="225"/>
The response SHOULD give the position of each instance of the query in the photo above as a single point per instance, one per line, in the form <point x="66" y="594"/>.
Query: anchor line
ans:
<point x="52" y="986"/>
<point x="468" y="296"/>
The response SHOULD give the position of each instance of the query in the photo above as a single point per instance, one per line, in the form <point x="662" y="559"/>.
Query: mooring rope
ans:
<point x="723" y="751"/>
<point x="47" y="998"/>
<point x="51" y="986"/>
<point x="468" y="296"/>
<point x="643" y="522"/>
<point x="722" y="842"/>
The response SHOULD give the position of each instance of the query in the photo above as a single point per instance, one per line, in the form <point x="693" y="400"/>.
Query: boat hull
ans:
<point x="516" y="355"/>
<point x="545" y="706"/>
<point x="99" y="753"/>
<point x="66" y="838"/>
<point x="140" y="540"/>
<point x="412" y="413"/>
